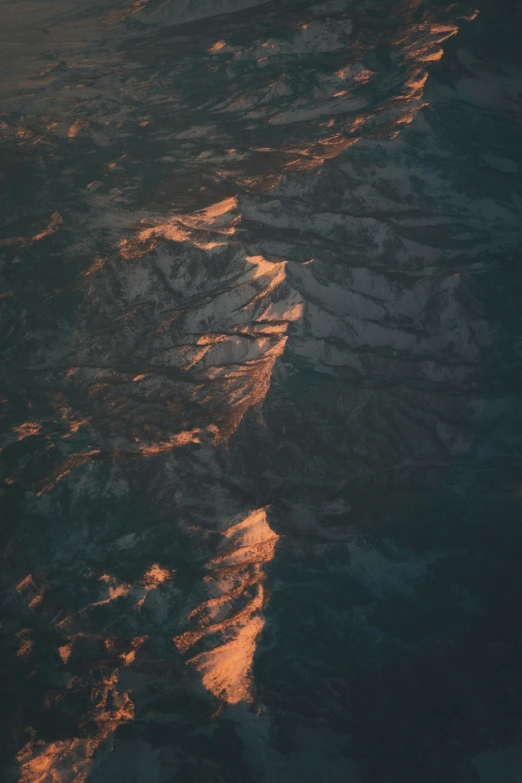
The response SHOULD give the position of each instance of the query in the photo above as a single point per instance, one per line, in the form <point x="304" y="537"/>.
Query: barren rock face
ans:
<point x="175" y="12"/>
<point x="259" y="391"/>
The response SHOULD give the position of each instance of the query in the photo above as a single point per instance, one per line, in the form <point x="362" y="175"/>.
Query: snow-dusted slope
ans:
<point x="259" y="392"/>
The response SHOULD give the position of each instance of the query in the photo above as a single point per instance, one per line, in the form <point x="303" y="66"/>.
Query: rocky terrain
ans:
<point x="260" y="391"/>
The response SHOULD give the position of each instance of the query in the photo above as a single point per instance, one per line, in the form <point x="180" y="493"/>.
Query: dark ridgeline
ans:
<point x="260" y="392"/>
